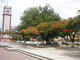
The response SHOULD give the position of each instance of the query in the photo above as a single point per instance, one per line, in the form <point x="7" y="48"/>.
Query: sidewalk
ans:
<point x="60" y="53"/>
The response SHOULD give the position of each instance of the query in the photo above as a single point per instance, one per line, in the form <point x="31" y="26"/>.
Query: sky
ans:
<point x="65" y="8"/>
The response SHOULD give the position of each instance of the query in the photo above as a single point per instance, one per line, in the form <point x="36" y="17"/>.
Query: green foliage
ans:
<point x="73" y="24"/>
<point x="77" y="17"/>
<point x="50" y="30"/>
<point x="35" y="15"/>
<point x="4" y="33"/>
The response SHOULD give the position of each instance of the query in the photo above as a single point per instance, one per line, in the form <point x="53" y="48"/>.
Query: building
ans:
<point x="6" y="24"/>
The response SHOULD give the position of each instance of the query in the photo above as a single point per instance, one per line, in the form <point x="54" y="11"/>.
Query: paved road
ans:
<point x="12" y="55"/>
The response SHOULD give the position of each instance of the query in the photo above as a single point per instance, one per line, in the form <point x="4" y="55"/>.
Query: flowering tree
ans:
<point x="57" y="28"/>
<point x="44" y="29"/>
<point x="72" y="27"/>
<point x="50" y="30"/>
<point x="30" y="31"/>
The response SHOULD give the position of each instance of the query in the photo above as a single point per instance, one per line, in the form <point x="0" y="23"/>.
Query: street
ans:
<point x="13" y="55"/>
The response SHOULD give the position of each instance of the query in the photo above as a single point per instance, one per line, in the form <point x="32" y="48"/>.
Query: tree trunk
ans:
<point x="72" y="40"/>
<point x="24" y="39"/>
<point x="48" y="41"/>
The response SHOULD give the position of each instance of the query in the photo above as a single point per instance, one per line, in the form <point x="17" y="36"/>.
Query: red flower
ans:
<point x="67" y="30"/>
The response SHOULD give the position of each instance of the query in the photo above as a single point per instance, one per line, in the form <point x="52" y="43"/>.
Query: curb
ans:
<point x="38" y="57"/>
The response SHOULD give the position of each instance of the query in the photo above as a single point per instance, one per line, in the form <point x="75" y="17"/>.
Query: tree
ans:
<point x="72" y="27"/>
<point x="30" y="31"/>
<point x="57" y="27"/>
<point x="15" y="36"/>
<point x="43" y="29"/>
<point x="35" y="15"/>
<point x="50" y="30"/>
<point x="77" y="17"/>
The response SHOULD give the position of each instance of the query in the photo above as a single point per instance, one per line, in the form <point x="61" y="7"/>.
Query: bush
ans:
<point x="67" y="44"/>
<point x="76" y="44"/>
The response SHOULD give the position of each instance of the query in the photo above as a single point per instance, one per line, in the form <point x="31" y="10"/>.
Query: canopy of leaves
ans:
<point x="73" y="24"/>
<point x="35" y="15"/>
<point x="72" y="27"/>
<point x="30" y="30"/>
<point x="51" y="29"/>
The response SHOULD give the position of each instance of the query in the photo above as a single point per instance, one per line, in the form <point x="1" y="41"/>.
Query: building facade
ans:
<point x="6" y="23"/>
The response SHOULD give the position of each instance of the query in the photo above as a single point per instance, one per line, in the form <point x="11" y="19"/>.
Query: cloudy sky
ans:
<point x="66" y="8"/>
